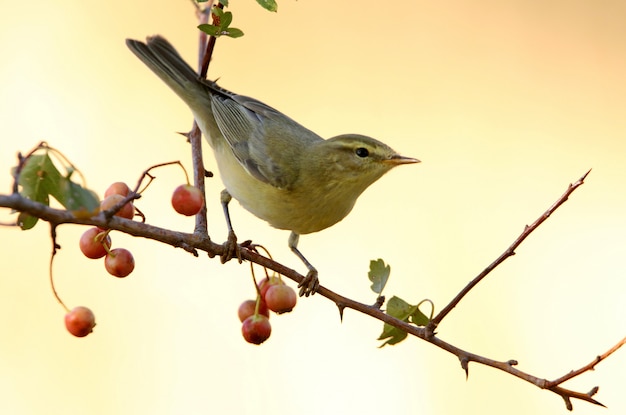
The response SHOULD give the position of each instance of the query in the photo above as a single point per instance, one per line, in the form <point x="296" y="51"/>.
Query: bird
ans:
<point x="280" y="171"/>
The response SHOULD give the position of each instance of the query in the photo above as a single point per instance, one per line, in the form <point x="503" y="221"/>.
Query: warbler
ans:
<point x="277" y="169"/>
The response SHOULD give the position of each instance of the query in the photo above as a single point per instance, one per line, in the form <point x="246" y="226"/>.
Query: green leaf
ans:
<point x="269" y="5"/>
<point x="76" y="198"/>
<point x="224" y="2"/>
<point x="378" y="274"/>
<point x="418" y="318"/>
<point x="26" y="221"/>
<point x="33" y="179"/>
<point x="393" y="334"/>
<point x="233" y="32"/>
<point x="39" y="179"/>
<point x="226" y="19"/>
<point x="400" y="309"/>
<point x="218" y="11"/>
<point x="210" y="30"/>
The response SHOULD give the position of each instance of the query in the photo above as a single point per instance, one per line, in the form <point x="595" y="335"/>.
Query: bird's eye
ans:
<point x="362" y="152"/>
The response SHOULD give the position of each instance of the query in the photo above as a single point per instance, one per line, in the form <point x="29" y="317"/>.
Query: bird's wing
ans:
<point x="245" y="131"/>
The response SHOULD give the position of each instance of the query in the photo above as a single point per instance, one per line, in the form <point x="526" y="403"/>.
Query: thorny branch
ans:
<point x="195" y="242"/>
<point x="510" y="251"/>
<point x="200" y="241"/>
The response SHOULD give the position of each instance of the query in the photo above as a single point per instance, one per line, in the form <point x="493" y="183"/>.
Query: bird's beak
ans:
<point x="397" y="159"/>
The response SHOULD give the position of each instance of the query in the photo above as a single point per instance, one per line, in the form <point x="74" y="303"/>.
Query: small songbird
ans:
<point x="277" y="169"/>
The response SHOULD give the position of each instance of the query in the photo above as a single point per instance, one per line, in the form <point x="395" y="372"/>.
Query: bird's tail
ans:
<point x="161" y="57"/>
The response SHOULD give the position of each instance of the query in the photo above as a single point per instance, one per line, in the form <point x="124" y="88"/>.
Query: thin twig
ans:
<point x="510" y="251"/>
<point x="195" y="135"/>
<point x="55" y="248"/>
<point x="589" y="366"/>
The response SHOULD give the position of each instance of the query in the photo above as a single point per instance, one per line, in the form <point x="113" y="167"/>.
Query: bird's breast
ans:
<point x="299" y="209"/>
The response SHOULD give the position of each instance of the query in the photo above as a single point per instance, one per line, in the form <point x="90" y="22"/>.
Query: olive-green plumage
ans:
<point x="277" y="169"/>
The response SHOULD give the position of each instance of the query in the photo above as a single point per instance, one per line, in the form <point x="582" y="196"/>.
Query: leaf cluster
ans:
<point x="396" y="307"/>
<point x="222" y="20"/>
<point x="39" y="178"/>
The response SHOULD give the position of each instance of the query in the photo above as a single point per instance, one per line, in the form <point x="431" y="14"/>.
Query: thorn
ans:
<point x="465" y="366"/>
<point x="186" y="135"/>
<point x="593" y="391"/>
<point x="341" y="308"/>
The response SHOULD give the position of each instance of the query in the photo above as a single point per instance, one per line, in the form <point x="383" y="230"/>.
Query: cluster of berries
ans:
<point x="95" y="243"/>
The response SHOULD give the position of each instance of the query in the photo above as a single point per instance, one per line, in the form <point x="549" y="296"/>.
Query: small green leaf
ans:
<point x="33" y="181"/>
<point x="76" y="198"/>
<point x="418" y="318"/>
<point x="393" y="334"/>
<point x="233" y="32"/>
<point x="226" y="19"/>
<point x="269" y="5"/>
<point x="224" y="2"/>
<point x="39" y="179"/>
<point x="210" y="30"/>
<point x="204" y="1"/>
<point x="400" y="309"/>
<point x="378" y="274"/>
<point x="218" y="11"/>
<point x="26" y="221"/>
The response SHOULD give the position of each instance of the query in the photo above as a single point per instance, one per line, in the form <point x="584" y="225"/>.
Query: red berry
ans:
<point x="246" y="309"/>
<point x="119" y="262"/>
<point x="187" y="200"/>
<point x="280" y="298"/>
<point x="92" y="243"/>
<point x="127" y="211"/>
<point x="117" y="188"/>
<point x="256" y="329"/>
<point x="80" y="321"/>
<point x="266" y="283"/>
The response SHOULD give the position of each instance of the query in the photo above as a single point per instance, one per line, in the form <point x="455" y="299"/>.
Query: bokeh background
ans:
<point x="506" y="102"/>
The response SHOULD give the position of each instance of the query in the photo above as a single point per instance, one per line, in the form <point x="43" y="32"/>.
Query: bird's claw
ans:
<point x="231" y="249"/>
<point x="310" y="284"/>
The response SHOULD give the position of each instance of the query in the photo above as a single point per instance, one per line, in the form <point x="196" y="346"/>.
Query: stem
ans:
<point x="510" y="251"/>
<point x="55" y="247"/>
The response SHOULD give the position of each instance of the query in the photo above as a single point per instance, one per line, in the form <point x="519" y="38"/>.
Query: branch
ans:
<point x="510" y="251"/>
<point x="200" y="242"/>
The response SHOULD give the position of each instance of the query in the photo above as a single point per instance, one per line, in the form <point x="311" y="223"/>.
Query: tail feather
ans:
<point x="161" y="57"/>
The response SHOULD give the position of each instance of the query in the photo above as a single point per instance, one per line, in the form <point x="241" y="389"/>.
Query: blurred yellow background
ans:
<point x="504" y="102"/>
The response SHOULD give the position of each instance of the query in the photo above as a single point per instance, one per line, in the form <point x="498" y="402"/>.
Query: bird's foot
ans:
<point x="310" y="284"/>
<point x="231" y="249"/>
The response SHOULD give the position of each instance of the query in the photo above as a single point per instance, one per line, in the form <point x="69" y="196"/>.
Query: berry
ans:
<point x="266" y="283"/>
<point x="127" y="211"/>
<point x="187" y="200"/>
<point x="256" y="329"/>
<point x="119" y="262"/>
<point x="92" y="243"/>
<point x="246" y="309"/>
<point x="117" y="188"/>
<point x="80" y="321"/>
<point x="280" y="298"/>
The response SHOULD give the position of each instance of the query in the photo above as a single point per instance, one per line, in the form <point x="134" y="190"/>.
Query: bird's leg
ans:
<point x="231" y="248"/>
<point x="310" y="283"/>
